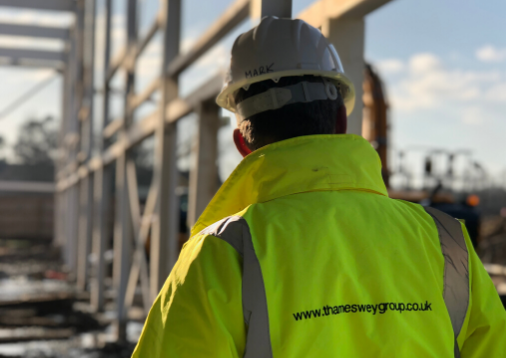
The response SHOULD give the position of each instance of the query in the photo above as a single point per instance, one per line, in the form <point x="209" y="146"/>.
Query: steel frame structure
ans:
<point x="84" y="188"/>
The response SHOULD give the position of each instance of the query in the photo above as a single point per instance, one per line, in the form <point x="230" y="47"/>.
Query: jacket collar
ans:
<point x="297" y="165"/>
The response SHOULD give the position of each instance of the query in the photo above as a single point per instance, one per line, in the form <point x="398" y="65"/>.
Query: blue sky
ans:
<point x="443" y="63"/>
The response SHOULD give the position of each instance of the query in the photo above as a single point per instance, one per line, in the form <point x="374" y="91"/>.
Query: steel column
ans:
<point x="103" y="177"/>
<point x="278" y="8"/>
<point x="85" y="231"/>
<point x="101" y="232"/>
<point x="204" y="174"/>
<point x="86" y="184"/>
<point x="348" y="36"/>
<point x="123" y="233"/>
<point x="164" y="243"/>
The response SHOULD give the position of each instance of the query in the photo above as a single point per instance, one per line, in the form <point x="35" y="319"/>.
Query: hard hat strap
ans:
<point x="275" y="98"/>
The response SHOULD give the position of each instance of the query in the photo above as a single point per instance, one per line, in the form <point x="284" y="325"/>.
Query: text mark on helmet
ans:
<point x="261" y="70"/>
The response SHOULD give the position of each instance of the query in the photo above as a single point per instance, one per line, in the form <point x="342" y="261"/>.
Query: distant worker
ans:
<point x="301" y="253"/>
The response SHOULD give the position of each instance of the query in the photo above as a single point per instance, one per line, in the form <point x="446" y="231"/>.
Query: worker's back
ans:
<point x="320" y="263"/>
<point x="351" y="274"/>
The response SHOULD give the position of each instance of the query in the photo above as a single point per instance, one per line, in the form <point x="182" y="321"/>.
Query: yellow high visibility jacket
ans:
<point x="302" y="254"/>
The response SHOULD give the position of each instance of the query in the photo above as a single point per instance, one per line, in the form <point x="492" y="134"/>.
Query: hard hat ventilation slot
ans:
<point x="331" y="90"/>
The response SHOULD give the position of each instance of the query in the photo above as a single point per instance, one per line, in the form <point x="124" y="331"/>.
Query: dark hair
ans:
<point x="293" y="120"/>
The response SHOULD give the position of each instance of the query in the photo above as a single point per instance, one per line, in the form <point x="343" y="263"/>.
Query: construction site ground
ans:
<point x="43" y="315"/>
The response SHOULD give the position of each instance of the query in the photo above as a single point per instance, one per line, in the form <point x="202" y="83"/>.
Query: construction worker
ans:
<point x="301" y="253"/>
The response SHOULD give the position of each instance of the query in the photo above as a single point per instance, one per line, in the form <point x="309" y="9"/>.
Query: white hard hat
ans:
<point x="281" y="48"/>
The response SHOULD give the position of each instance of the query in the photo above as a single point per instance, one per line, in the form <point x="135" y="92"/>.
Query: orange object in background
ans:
<point x="473" y="200"/>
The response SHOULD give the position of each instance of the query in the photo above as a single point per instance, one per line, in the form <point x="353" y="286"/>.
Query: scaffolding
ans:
<point x="88" y="184"/>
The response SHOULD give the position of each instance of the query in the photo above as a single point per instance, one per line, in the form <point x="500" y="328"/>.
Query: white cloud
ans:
<point x="473" y="116"/>
<point x="497" y="93"/>
<point x="490" y="53"/>
<point x="424" y="63"/>
<point x="428" y="83"/>
<point x="391" y="66"/>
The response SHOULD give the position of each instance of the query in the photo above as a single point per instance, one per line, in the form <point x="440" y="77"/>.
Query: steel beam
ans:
<point x="59" y="66"/>
<point x="34" y="31"/>
<point x="26" y="187"/>
<point x="52" y="5"/>
<point x="319" y="12"/>
<point x="204" y="173"/>
<point x="24" y="54"/>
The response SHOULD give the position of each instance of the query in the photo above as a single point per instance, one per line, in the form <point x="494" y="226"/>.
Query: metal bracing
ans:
<point x="141" y="226"/>
<point x="145" y="237"/>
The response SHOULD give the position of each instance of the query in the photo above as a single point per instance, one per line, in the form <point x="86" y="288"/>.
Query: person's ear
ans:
<point x="341" y="121"/>
<point x="240" y="143"/>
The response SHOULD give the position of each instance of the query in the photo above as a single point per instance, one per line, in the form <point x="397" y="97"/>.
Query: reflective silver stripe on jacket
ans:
<point x="456" y="271"/>
<point x="235" y="231"/>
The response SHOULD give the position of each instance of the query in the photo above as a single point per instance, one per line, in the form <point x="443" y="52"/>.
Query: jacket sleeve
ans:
<point x="484" y="331"/>
<point x="198" y="312"/>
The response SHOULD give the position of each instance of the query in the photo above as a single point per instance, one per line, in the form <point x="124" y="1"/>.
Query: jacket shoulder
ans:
<point x="233" y="230"/>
